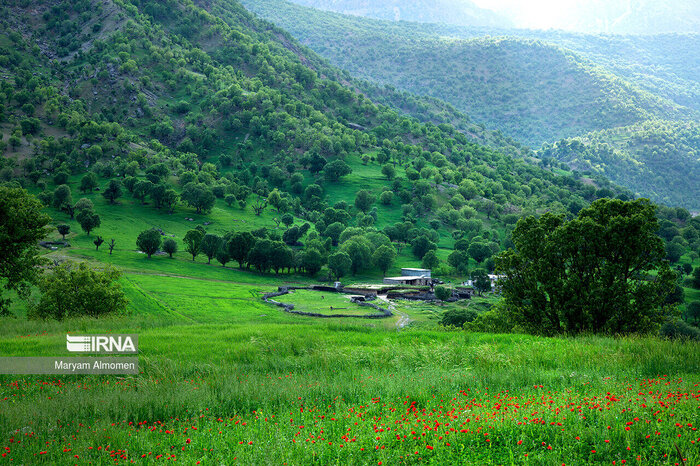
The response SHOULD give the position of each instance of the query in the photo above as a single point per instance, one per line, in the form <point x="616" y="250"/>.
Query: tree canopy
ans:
<point x="602" y="272"/>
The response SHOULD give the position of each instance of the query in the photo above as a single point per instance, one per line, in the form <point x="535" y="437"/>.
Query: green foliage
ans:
<point x="340" y="264"/>
<point x="63" y="229"/>
<point x="444" y="293"/>
<point x="149" y="241"/>
<point x="170" y="246"/>
<point x="457" y="317"/>
<point x="112" y="191"/>
<point x="193" y="242"/>
<point x="364" y="200"/>
<point x="77" y="290"/>
<point x="22" y="226"/>
<point x="589" y="274"/>
<point x="383" y="257"/>
<point x="88" y="220"/>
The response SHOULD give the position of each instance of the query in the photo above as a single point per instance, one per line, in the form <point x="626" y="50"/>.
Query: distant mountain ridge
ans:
<point x="458" y="12"/>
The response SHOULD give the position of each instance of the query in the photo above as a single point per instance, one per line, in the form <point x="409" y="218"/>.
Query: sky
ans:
<point x="534" y="14"/>
<point x="556" y="14"/>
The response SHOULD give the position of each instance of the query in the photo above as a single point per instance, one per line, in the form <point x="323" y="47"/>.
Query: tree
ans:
<point x="336" y="170"/>
<point x="364" y="200"/>
<point x="479" y="251"/>
<point x="339" y="264"/>
<point x="287" y="219"/>
<point x="71" y="290"/>
<point x="421" y="245"/>
<point x="239" y="245"/>
<point x="62" y="197"/>
<point x="170" y="198"/>
<point x="88" y="182"/>
<point x="602" y="272"/>
<point x="111" y="245"/>
<point x="443" y="293"/>
<point x="142" y="189"/>
<point x="430" y="260"/>
<point x="259" y="205"/>
<point x="312" y="261"/>
<point x="674" y="251"/>
<point x="359" y="251"/>
<point x="389" y="171"/>
<point x="63" y="230"/>
<point x="170" y="246"/>
<point x="386" y="197"/>
<point x="459" y="260"/>
<point x="88" y="220"/>
<point x="112" y="191"/>
<point x="22" y="226"/>
<point x="222" y="255"/>
<point x="695" y="281"/>
<point x="260" y="255"/>
<point x="230" y="199"/>
<point x="383" y="257"/>
<point x="275" y="199"/>
<point x="210" y="245"/>
<point x="333" y="231"/>
<point x="481" y="281"/>
<point x="149" y="241"/>
<point x="199" y="196"/>
<point x="84" y="204"/>
<point x="98" y="242"/>
<point x="193" y="242"/>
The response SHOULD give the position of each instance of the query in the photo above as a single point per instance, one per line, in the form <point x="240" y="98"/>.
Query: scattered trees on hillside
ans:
<point x="193" y="242"/>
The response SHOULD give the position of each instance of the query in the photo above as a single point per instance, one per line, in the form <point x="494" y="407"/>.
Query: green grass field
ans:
<point x="228" y="379"/>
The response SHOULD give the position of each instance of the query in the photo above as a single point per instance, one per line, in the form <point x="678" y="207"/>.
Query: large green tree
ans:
<point x="22" y="226"/>
<point x="149" y="241"/>
<point x="602" y="272"/>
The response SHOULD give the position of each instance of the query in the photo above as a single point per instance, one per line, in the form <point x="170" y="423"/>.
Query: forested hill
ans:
<point x="460" y="12"/>
<point x="536" y="86"/>
<point x="208" y="114"/>
<point x="659" y="158"/>
<point x="531" y="90"/>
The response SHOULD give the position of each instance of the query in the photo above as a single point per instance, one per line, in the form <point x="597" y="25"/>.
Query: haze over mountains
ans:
<point x="589" y="16"/>
<point x="537" y="87"/>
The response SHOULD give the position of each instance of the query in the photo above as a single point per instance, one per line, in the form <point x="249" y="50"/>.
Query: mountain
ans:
<point x="535" y="86"/>
<point x="460" y="12"/>
<point x="533" y="91"/>
<point x="232" y="117"/>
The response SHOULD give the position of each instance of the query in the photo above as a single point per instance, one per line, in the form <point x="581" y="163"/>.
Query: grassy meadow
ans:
<point x="228" y="379"/>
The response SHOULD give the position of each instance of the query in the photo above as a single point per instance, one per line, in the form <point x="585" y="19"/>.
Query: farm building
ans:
<point x="409" y="276"/>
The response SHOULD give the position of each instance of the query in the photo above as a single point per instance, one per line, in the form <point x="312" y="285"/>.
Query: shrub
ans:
<point x="71" y="291"/>
<point x="458" y="317"/>
<point x="677" y="329"/>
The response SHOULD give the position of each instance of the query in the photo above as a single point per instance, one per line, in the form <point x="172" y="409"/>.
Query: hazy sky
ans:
<point x="545" y="14"/>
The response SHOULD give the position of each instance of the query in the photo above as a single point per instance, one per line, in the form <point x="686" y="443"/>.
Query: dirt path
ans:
<point x="404" y="320"/>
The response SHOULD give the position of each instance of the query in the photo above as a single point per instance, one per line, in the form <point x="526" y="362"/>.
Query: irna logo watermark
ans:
<point x="103" y="344"/>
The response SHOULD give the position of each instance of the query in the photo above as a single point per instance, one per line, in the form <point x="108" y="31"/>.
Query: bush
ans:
<point x="72" y="291"/>
<point x="492" y="321"/>
<point x="677" y="329"/>
<point x="458" y="317"/>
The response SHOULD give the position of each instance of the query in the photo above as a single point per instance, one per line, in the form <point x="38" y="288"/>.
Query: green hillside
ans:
<point x="536" y="86"/>
<point x="660" y="159"/>
<point x="226" y="120"/>
<point x="532" y="91"/>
